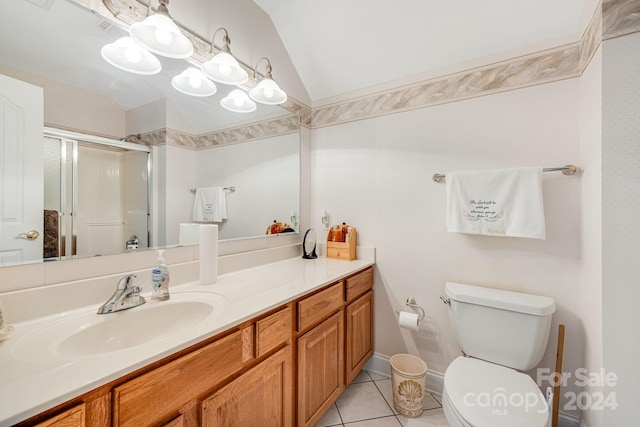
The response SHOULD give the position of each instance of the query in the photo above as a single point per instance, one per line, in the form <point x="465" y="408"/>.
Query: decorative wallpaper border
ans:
<point x="615" y="18"/>
<point x="619" y="18"/>
<point x="259" y="130"/>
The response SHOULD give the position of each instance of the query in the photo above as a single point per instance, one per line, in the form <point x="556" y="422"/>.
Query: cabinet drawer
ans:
<point x="158" y="395"/>
<point x="358" y="284"/>
<point x="340" y="253"/>
<point x="317" y="307"/>
<point x="273" y="331"/>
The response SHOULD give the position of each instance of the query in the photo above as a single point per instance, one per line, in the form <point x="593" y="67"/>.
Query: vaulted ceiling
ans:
<point x="341" y="47"/>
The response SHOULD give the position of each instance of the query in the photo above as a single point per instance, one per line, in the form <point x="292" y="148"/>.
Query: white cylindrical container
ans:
<point x="208" y="250"/>
<point x="408" y="378"/>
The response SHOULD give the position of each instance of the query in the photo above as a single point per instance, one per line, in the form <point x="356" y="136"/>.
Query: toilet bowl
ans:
<point x="500" y="333"/>
<point x="482" y="394"/>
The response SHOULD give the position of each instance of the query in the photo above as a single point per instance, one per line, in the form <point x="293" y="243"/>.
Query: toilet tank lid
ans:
<point x="498" y="298"/>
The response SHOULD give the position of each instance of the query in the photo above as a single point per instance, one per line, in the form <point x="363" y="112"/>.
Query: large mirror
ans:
<point x="56" y="44"/>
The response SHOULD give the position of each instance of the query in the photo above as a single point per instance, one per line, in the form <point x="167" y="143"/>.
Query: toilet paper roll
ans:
<point x="408" y="320"/>
<point x="208" y="249"/>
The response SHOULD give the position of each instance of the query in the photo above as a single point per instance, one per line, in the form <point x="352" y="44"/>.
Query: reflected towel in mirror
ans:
<point x="210" y="205"/>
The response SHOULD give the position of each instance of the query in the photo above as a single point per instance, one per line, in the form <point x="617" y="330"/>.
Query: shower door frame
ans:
<point x="74" y="137"/>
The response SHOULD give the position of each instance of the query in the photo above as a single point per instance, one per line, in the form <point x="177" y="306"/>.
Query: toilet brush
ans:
<point x="558" y="376"/>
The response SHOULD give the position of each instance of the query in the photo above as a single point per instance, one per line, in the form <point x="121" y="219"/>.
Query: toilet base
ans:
<point x="449" y="412"/>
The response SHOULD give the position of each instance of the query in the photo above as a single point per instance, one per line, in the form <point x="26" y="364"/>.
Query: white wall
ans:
<point x="621" y="230"/>
<point x="591" y="276"/>
<point x="376" y="175"/>
<point x="70" y="107"/>
<point x="265" y="173"/>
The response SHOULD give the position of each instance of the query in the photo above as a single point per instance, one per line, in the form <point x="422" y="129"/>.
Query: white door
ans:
<point x="21" y="176"/>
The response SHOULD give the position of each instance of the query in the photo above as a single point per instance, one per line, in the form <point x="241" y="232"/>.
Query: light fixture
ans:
<point x="159" y="34"/>
<point x="223" y="67"/>
<point x="127" y="55"/>
<point x="238" y="102"/>
<point x="192" y="82"/>
<point x="267" y="91"/>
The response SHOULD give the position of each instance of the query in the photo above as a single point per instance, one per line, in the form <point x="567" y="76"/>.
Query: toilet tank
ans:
<point x="503" y="327"/>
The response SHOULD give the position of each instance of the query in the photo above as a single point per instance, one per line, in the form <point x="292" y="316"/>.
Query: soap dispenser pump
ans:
<point x="160" y="279"/>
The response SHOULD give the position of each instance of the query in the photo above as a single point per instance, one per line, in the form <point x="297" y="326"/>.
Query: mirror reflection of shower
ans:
<point x="96" y="197"/>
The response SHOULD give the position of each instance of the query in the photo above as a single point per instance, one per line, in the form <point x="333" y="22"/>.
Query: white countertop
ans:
<point x="39" y="381"/>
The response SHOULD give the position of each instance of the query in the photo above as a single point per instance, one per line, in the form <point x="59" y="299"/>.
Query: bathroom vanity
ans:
<point x="281" y="343"/>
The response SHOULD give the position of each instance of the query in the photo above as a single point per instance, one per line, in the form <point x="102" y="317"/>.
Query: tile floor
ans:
<point x="368" y="402"/>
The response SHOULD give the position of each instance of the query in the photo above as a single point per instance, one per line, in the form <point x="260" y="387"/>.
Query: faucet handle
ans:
<point x="127" y="281"/>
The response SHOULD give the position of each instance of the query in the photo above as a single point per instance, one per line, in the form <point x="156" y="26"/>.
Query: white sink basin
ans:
<point x="87" y="333"/>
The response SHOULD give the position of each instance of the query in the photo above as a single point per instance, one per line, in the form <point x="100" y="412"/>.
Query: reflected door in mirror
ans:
<point x="21" y="118"/>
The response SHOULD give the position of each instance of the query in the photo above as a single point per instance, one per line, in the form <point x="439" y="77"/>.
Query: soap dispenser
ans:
<point x="160" y="279"/>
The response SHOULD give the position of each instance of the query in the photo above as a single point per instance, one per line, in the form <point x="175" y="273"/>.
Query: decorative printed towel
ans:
<point x="210" y="205"/>
<point x="502" y="202"/>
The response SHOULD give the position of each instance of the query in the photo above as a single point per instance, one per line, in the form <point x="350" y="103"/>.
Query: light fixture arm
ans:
<point x="268" y="68"/>
<point x="163" y="7"/>
<point x="226" y="41"/>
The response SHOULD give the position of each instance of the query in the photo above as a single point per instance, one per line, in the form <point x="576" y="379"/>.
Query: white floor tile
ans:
<point x="390" y="421"/>
<point x="330" y="418"/>
<point x="362" y="401"/>
<point x="430" y="418"/>
<point x="363" y="376"/>
<point x="377" y="376"/>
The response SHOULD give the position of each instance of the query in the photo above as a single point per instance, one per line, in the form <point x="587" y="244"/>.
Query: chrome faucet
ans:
<point x="125" y="296"/>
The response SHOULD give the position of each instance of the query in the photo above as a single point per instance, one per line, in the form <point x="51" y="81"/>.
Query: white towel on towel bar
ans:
<point x="210" y="205"/>
<point x="501" y="202"/>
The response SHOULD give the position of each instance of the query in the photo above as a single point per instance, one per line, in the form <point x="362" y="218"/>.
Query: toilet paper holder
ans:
<point x="411" y="302"/>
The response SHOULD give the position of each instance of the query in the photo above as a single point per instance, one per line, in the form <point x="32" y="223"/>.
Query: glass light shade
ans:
<point x="129" y="56"/>
<point x="268" y="92"/>
<point x="193" y="82"/>
<point x="238" y="102"/>
<point x="224" y="68"/>
<point x="161" y="35"/>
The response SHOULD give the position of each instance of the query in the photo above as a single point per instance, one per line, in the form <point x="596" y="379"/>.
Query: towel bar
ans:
<point x="566" y="170"/>
<point x="231" y="189"/>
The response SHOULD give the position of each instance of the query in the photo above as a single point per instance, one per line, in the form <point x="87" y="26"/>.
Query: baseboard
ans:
<point x="380" y="365"/>
<point x="566" y="420"/>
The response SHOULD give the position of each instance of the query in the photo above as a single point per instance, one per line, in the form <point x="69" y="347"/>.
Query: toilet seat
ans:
<point x="482" y="394"/>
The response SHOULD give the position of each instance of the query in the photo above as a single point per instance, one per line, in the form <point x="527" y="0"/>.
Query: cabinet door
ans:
<point x="359" y="334"/>
<point x="261" y="397"/>
<point x="158" y="396"/>
<point x="320" y="369"/>
<point x="74" y="417"/>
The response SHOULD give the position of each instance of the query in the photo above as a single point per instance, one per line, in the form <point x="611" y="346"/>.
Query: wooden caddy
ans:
<point x="341" y="250"/>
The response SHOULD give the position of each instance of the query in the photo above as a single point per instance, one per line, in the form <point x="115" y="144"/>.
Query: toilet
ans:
<point x="500" y="333"/>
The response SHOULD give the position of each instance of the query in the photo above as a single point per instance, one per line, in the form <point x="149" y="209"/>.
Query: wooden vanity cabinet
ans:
<point x="260" y="397"/>
<point x="335" y="340"/>
<point x="283" y="368"/>
<point x="320" y="369"/>
<point x="162" y="394"/>
<point x="184" y="392"/>
<point x="359" y="322"/>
